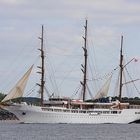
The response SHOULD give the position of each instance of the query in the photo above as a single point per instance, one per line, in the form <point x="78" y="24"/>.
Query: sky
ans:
<point x="63" y="20"/>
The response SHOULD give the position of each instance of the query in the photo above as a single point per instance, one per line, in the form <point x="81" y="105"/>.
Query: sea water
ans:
<point x="14" y="131"/>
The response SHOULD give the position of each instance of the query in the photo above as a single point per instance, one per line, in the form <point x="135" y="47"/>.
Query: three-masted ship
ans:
<point x="66" y="110"/>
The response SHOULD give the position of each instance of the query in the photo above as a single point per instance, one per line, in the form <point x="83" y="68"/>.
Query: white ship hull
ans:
<point x="35" y="114"/>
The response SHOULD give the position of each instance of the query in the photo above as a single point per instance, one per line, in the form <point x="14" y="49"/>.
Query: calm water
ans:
<point x="10" y="131"/>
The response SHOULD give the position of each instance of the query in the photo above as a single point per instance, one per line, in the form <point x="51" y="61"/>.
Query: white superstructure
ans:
<point x="36" y="114"/>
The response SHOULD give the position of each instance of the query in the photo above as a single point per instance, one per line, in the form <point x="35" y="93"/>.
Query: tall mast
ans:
<point x="121" y="69"/>
<point x="42" y="82"/>
<point x="84" y="67"/>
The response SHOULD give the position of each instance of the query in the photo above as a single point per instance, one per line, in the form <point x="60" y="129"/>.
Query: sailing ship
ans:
<point x="67" y="110"/>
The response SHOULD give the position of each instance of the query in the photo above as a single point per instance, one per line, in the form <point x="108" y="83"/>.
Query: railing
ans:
<point x="134" y="106"/>
<point x="81" y="111"/>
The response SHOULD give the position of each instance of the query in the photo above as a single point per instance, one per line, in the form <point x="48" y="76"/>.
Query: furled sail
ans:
<point x="19" y="88"/>
<point x="104" y="90"/>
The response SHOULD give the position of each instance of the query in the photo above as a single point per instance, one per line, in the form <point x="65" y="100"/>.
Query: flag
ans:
<point x="135" y="60"/>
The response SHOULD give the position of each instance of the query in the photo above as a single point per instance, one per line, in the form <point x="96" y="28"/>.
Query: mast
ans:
<point x="42" y="82"/>
<point x="84" y="67"/>
<point x="121" y="69"/>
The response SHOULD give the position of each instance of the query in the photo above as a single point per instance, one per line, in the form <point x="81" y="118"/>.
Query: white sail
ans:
<point x="19" y="88"/>
<point x="104" y="90"/>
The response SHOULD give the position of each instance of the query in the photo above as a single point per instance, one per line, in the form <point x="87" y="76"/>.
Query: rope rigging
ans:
<point x="76" y="91"/>
<point x="31" y="91"/>
<point x="132" y="81"/>
<point x="52" y="78"/>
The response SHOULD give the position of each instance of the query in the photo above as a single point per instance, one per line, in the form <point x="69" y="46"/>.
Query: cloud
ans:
<point x="9" y="2"/>
<point x="72" y="9"/>
<point x="21" y="21"/>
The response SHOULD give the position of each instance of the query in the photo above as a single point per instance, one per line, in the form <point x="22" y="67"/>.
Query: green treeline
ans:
<point x="36" y="101"/>
<point x="28" y="100"/>
<point x="1" y="96"/>
<point x="135" y="100"/>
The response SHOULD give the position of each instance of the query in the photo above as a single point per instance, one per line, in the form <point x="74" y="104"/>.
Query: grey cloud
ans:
<point x="64" y="20"/>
